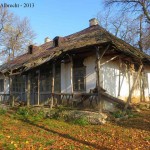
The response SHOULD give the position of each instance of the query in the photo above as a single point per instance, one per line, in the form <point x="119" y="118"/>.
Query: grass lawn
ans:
<point x="46" y="134"/>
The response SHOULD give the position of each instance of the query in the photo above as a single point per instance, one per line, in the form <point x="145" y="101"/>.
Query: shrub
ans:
<point x="23" y="112"/>
<point x="82" y="121"/>
<point x="118" y="114"/>
<point x="37" y="115"/>
<point x="2" y="111"/>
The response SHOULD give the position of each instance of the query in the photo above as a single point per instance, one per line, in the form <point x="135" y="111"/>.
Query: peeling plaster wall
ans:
<point x="147" y="90"/>
<point x="109" y="79"/>
<point x="65" y="78"/>
<point x="6" y="85"/>
<point x="89" y="62"/>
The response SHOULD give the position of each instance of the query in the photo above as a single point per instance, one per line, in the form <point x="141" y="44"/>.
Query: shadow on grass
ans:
<point x="142" y="122"/>
<point x="67" y="136"/>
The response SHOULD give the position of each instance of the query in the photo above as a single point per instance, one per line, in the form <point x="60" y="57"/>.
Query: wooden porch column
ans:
<point x="53" y="85"/>
<point x="98" y="80"/>
<point x="133" y="87"/>
<point x="12" y="103"/>
<point x="71" y="74"/>
<point x="99" y="55"/>
<point x="119" y="86"/>
<point x="39" y="87"/>
<point x="28" y="89"/>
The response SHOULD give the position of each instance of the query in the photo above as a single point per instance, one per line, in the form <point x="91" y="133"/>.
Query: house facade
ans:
<point x="92" y="59"/>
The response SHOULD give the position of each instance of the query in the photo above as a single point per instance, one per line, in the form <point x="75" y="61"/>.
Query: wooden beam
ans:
<point x="99" y="56"/>
<point x="53" y="85"/>
<point x="71" y="73"/>
<point x="39" y="87"/>
<point x="119" y="82"/>
<point x="109" y="60"/>
<point x="28" y="89"/>
<point x="133" y="86"/>
<point x="98" y="80"/>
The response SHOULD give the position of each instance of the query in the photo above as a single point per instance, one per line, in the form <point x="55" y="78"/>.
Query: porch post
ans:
<point x="98" y="80"/>
<point x="71" y="73"/>
<point x="28" y="89"/>
<point x="133" y="87"/>
<point x="119" y="86"/>
<point x="53" y="85"/>
<point x="39" y="87"/>
<point x="99" y="55"/>
<point x="10" y="92"/>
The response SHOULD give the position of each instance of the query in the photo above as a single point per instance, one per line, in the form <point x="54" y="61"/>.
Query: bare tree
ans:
<point x="18" y="36"/>
<point x="133" y="29"/>
<point x="136" y="6"/>
<point x="121" y="26"/>
<point x="15" y="34"/>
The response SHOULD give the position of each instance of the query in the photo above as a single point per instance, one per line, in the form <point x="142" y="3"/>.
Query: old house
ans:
<point x="91" y="63"/>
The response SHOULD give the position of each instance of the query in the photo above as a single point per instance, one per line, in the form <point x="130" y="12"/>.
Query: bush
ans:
<point x="2" y="111"/>
<point x="23" y="112"/>
<point x="82" y="121"/>
<point x="118" y="114"/>
<point x="37" y="115"/>
<point x="29" y="114"/>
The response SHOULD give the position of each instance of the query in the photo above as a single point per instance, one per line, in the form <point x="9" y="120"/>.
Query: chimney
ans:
<point x="30" y="49"/>
<point x="93" y="22"/>
<point x="47" y="39"/>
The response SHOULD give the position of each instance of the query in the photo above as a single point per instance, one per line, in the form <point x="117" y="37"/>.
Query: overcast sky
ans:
<point x="56" y="17"/>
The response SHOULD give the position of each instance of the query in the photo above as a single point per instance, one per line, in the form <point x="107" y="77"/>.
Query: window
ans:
<point x="1" y="85"/>
<point x="45" y="82"/>
<point x="79" y="73"/>
<point x="18" y="84"/>
<point x="57" y="80"/>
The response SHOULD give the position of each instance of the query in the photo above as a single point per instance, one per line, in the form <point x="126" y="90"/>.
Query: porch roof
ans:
<point x="91" y="36"/>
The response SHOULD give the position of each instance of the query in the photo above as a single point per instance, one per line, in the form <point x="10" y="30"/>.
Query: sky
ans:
<point x="51" y="18"/>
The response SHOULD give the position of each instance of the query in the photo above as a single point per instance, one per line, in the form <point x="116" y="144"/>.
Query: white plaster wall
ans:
<point x="6" y="84"/>
<point x="147" y="90"/>
<point x="110" y="79"/>
<point x="65" y="78"/>
<point x="148" y="84"/>
<point x="89" y="62"/>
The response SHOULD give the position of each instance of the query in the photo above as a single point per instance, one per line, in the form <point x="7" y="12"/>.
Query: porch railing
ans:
<point x="69" y="99"/>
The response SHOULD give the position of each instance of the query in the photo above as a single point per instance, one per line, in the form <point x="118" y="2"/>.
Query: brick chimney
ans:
<point x="30" y="49"/>
<point x="47" y="39"/>
<point x="93" y="22"/>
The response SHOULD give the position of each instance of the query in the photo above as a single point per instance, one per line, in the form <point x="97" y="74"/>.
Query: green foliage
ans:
<point x="37" y="115"/>
<point x="82" y="121"/>
<point x="59" y="113"/>
<point x="23" y="113"/>
<point x="2" y="111"/>
<point x="9" y="146"/>
<point x="30" y="114"/>
<point x="147" y="138"/>
<point x="50" y="142"/>
<point x="119" y="114"/>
